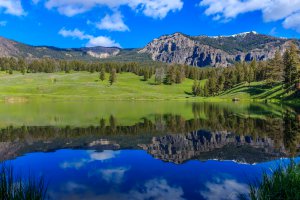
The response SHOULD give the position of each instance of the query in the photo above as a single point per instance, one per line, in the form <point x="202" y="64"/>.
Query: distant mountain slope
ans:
<point x="10" y="48"/>
<point x="217" y="51"/>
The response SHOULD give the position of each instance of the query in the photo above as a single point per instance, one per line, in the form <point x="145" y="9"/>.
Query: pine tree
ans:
<point x="196" y="89"/>
<point x="170" y="76"/>
<point x="206" y="90"/>
<point x="212" y="83"/>
<point x="102" y="74"/>
<point x="240" y="73"/>
<point x="179" y="76"/>
<point x="251" y="71"/>
<point x="291" y="63"/>
<point x="221" y="81"/>
<point x="146" y="74"/>
<point x="274" y="69"/>
<point x="113" y="76"/>
<point x="159" y="75"/>
<point x="22" y="65"/>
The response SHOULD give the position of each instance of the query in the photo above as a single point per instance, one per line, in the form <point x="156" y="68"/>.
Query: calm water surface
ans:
<point x="147" y="150"/>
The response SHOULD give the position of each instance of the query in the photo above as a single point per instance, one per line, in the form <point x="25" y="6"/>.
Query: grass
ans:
<point x="258" y="91"/>
<point x="85" y="85"/>
<point x="14" y="188"/>
<point x="284" y="183"/>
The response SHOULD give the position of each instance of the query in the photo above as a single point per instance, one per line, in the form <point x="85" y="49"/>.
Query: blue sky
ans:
<point x="134" y="23"/>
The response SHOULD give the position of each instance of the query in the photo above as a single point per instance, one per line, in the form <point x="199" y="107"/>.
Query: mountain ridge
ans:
<point x="214" y="51"/>
<point x="178" y="48"/>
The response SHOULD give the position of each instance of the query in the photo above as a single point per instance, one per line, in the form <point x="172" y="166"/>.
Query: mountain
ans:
<point x="220" y="145"/>
<point x="217" y="51"/>
<point x="10" y="48"/>
<point x="175" y="148"/>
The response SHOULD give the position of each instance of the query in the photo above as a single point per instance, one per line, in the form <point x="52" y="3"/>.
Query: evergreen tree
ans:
<point x="22" y="65"/>
<point x="159" y="75"/>
<point x="206" y="90"/>
<point x="291" y="63"/>
<point x="240" y="73"/>
<point x="260" y="73"/>
<point x="170" y="76"/>
<point x="196" y="88"/>
<point x="274" y="69"/>
<point x="102" y="74"/>
<point x="146" y="74"/>
<point x="179" y="76"/>
<point x="212" y="84"/>
<point x="221" y="82"/>
<point x="251" y="71"/>
<point x="113" y="76"/>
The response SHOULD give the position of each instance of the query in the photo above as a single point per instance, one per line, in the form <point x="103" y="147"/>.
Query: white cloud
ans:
<point x="292" y="22"/>
<point x="157" y="189"/>
<point x="102" y="41"/>
<point x="12" y="7"/>
<point x="160" y="8"/>
<point x="92" y="40"/>
<point x="113" y="23"/>
<point x="114" y="175"/>
<point x="74" y="34"/>
<point x="227" y="189"/>
<point x="3" y="23"/>
<point x="104" y="155"/>
<point x="72" y="186"/>
<point x="75" y="164"/>
<point x="150" y="8"/>
<point x="272" y="10"/>
<point x="92" y="156"/>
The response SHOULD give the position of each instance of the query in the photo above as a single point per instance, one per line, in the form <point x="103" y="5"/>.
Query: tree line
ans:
<point x="164" y="73"/>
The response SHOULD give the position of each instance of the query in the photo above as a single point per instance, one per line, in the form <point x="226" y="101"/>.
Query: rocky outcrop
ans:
<point x="180" y="49"/>
<point x="219" y="51"/>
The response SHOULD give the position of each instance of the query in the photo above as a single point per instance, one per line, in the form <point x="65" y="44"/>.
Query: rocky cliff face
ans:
<point x="218" y="51"/>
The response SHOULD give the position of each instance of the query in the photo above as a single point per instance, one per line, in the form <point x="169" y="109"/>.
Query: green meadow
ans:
<point x="87" y="86"/>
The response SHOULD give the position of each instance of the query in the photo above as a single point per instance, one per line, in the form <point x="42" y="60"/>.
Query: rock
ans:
<point x="219" y="51"/>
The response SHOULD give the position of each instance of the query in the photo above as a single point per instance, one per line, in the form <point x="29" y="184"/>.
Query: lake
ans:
<point x="147" y="150"/>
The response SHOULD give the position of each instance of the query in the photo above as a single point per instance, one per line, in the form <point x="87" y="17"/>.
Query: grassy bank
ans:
<point x="85" y="85"/>
<point x="284" y="183"/>
<point x="18" y="188"/>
